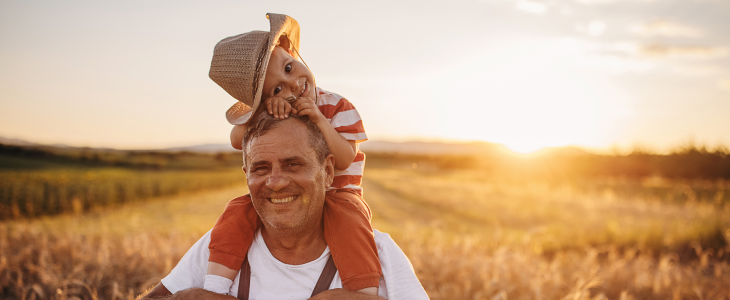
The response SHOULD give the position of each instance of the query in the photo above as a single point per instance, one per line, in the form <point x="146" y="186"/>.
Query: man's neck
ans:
<point x="295" y="246"/>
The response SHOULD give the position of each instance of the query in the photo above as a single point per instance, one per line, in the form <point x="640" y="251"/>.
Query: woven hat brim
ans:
<point x="279" y="24"/>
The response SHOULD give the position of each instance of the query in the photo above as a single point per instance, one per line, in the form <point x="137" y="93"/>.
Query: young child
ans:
<point x="288" y="86"/>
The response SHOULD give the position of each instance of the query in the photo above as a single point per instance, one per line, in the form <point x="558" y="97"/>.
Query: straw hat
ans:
<point x="239" y="63"/>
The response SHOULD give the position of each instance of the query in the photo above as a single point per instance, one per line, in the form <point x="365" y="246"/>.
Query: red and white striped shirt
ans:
<point x="347" y="122"/>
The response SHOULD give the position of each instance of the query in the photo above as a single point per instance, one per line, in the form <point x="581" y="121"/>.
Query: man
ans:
<point x="288" y="170"/>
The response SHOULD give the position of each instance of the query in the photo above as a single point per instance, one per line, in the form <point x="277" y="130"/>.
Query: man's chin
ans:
<point x="282" y="224"/>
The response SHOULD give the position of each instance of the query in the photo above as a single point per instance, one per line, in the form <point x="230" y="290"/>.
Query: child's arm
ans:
<point x="237" y="136"/>
<point x="215" y="268"/>
<point x="276" y="106"/>
<point x="343" y="150"/>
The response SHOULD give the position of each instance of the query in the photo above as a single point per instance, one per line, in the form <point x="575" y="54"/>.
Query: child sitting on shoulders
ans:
<point x="262" y="66"/>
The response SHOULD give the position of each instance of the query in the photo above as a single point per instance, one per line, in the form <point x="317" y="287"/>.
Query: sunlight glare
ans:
<point x="531" y="95"/>
<point x="523" y="148"/>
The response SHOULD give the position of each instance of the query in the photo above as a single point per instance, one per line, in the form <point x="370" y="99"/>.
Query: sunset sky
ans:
<point x="525" y="73"/>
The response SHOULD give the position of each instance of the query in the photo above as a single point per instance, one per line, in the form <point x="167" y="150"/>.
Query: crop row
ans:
<point x="50" y="192"/>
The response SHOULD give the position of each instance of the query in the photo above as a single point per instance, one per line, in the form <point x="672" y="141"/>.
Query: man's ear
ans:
<point x="329" y="169"/>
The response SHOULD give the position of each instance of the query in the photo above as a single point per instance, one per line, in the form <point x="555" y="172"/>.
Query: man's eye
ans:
<point x="287" y="68"/>
<point x="277" y="90"/>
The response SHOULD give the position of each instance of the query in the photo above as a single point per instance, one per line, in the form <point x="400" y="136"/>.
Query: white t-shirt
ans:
<point x="273" y="279"/>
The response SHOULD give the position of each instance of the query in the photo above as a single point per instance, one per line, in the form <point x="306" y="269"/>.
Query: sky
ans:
<point x="599" y="74"/>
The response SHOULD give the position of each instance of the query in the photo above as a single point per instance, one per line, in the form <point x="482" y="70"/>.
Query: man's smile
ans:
<point x="282" y="200"/>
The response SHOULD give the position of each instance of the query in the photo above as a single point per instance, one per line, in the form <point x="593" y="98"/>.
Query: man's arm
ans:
<point x="344" y="294"/>
<point x="161" y="292"/>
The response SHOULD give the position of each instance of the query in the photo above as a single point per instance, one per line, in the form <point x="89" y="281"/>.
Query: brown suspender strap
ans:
<point x="325" y="280"/>
<point x="244" y="281"/>
<point x="323" y="284"/>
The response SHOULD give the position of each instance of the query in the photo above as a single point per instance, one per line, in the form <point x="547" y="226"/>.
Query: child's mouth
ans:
<point x="304" y="90"/>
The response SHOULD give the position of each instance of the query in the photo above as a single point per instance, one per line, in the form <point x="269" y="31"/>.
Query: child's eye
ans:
<point x="287" y="68"/>
<point x="277" y="90"/>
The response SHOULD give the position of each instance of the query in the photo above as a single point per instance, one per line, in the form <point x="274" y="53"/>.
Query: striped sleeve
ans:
<point x="342" y="115"/>
<point x="347" y="122"/>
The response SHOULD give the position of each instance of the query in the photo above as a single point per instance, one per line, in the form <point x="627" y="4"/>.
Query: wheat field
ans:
<point x="468" y="236"/>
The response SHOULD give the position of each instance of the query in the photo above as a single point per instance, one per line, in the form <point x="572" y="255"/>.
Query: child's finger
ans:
<point x="305" y="112"/>
<point x="287" y="109"/>
<point x="303" y="105"/>
<point x="269" y="107"/>
<point x="282" y="107"/>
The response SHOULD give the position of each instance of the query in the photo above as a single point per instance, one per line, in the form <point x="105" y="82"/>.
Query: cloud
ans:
<point x="594" y="28"/>
<point x="531" y="7"/>
<point x="591" y="2"/>
<point x="595" y="1"/>
<point x="660" y="52"/>
<point x="665" y="28"/>
<point x="668" y="51"/>
<point x="698" y="70"/>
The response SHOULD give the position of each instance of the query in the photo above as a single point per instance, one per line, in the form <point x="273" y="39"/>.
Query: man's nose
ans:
<point x="276" y="181"/>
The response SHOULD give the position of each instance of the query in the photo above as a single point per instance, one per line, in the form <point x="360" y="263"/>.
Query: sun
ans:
<point x="524" y="147"/>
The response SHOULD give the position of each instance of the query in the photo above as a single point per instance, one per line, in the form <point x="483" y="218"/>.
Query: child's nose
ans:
<point x="294" y="86"/>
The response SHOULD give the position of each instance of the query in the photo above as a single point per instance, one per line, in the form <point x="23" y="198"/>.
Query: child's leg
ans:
<point x="349" y="235"/>
<point x="230" y="239"/>
<point x="237" y="133"/>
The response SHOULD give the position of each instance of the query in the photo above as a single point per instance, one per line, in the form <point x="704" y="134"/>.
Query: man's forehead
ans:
<point x="288" y="139"/>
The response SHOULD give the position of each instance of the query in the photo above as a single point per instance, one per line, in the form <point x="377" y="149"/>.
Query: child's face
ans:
<point x="286" y="76"/>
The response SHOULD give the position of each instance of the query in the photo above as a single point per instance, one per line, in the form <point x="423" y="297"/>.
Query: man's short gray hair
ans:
<point x="263" y="122"/>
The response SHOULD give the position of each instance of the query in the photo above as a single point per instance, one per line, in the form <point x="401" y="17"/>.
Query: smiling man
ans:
<point x="289" y="169"/>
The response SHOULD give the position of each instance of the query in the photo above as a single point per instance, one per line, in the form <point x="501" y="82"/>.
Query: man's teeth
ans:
<point x="303" y="89"/>
<point x="283" y="200"/>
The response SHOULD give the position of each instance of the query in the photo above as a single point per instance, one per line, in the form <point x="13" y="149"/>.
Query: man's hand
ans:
<point x="161" y="292"/>
<point x="278" y="107"/>
<point x="345" y="294"/>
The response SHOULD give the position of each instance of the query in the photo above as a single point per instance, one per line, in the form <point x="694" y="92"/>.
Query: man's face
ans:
<point x="286" y="76"/>
<point x="286" y="181"/>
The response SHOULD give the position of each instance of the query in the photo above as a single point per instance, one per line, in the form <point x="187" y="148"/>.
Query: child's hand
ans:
<point x="305" y="106"/>
<point x="278" y="107"/>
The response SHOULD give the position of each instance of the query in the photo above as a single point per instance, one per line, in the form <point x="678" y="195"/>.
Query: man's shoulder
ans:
<point x="400" y="279"/>
<point x="383" y="240"/>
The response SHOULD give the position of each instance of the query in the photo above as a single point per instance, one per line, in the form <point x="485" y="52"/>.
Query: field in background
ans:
<point x="37" y="181"/>
<point x="469" y="234"/>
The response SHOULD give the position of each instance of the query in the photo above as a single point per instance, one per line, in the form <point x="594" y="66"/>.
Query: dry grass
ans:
<point x="463" y="271"/>
<point x="107" y="254"/>
<point x="468" y="237"/>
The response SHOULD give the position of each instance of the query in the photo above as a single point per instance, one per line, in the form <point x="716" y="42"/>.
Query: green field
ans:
<point x="48" y="181"/>
<point x="32" y="193"/>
